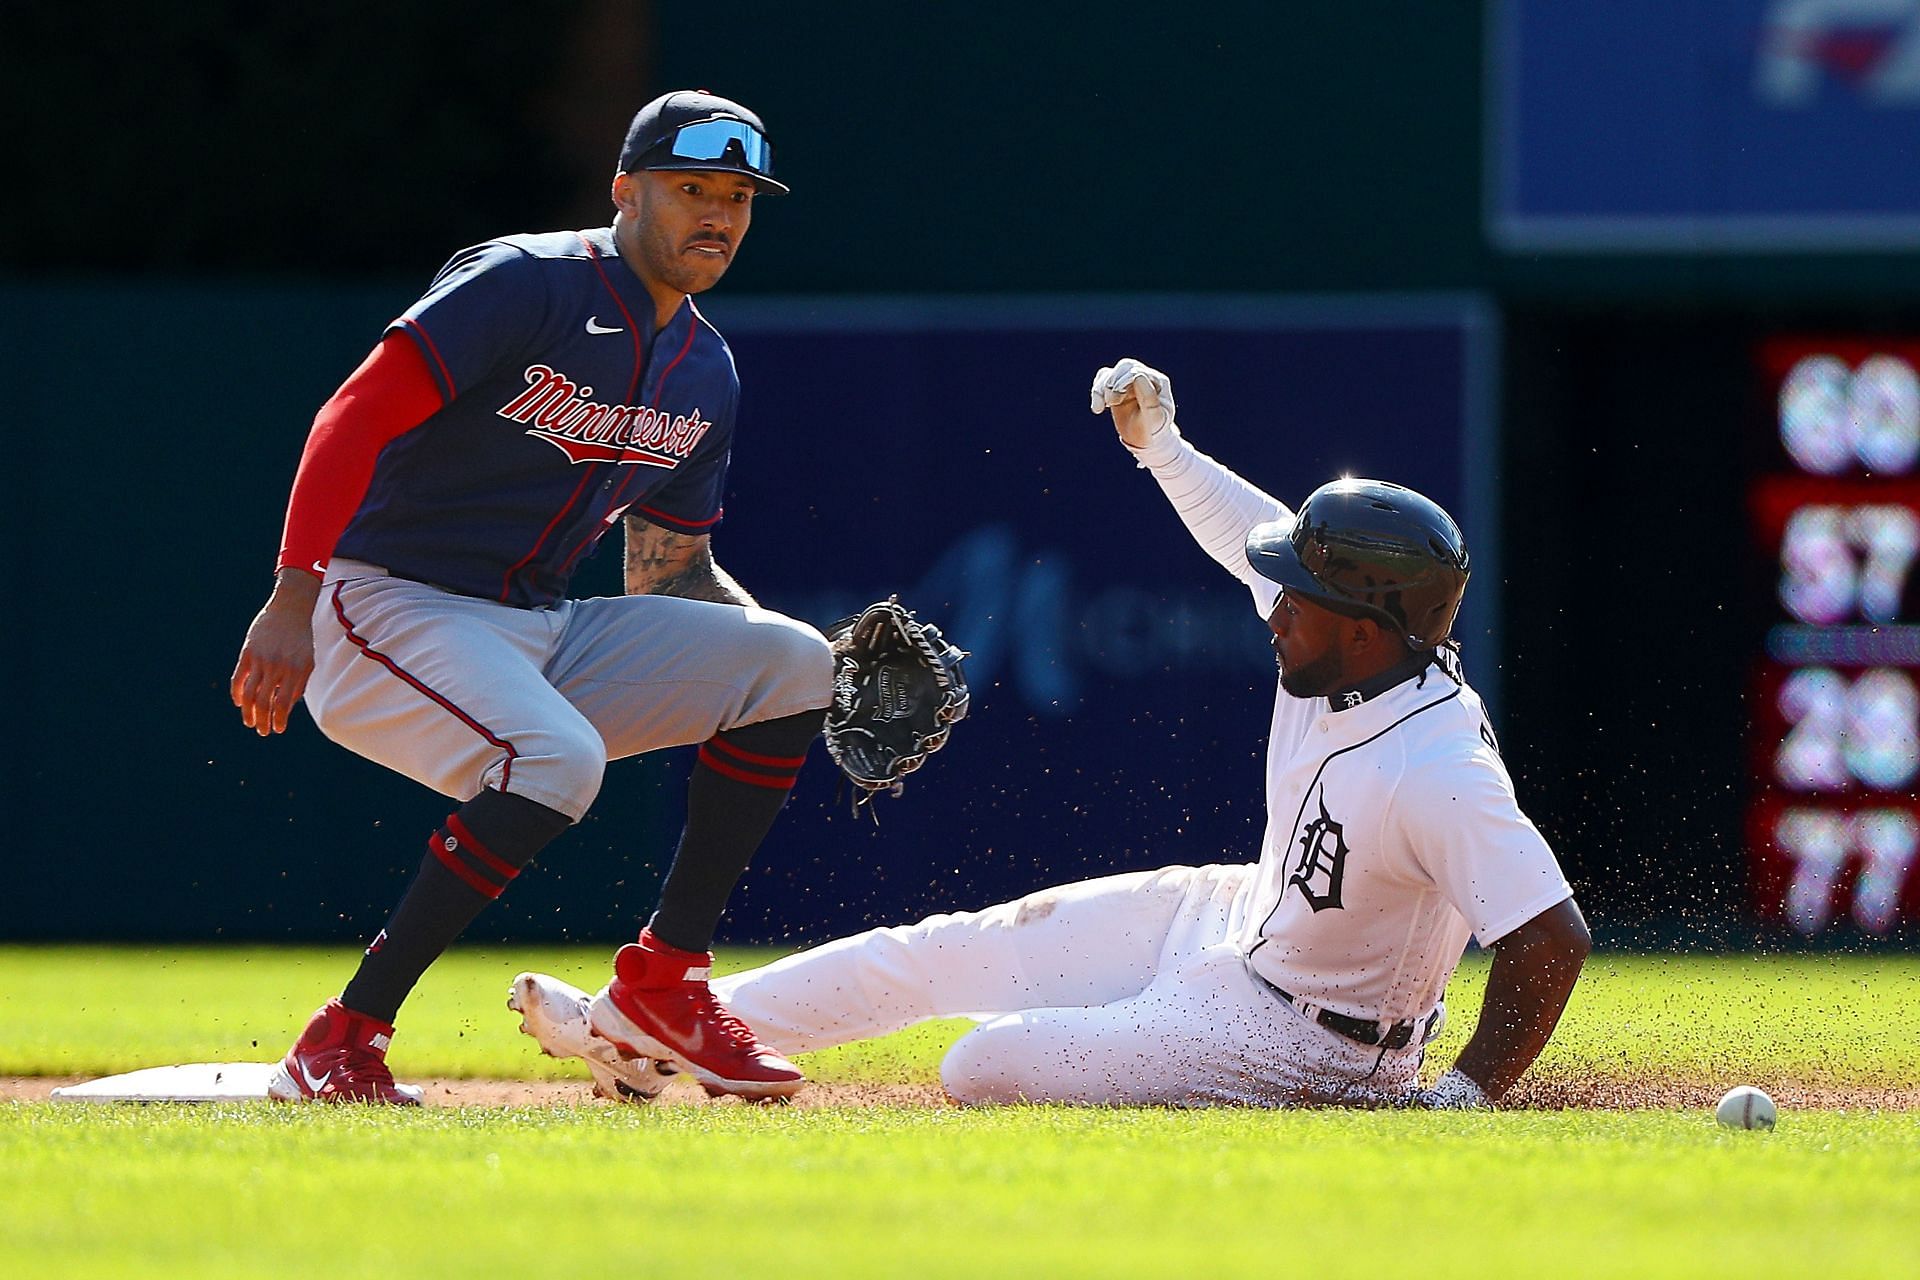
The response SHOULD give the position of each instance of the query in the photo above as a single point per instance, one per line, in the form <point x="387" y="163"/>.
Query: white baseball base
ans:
<point x="193" y="1082"/>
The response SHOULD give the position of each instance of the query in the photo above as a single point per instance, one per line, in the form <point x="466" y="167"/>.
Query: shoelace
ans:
<point x="366" y="1065"/>
<point x="711" y="1010"/>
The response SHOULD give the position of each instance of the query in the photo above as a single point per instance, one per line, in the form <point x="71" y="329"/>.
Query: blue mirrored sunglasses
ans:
<point x="709" y="139"/>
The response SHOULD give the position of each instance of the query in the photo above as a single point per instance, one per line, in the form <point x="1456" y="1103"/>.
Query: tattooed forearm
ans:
<point x="648" y="561"/>
<point x="712" y="583"/>
<point x="663" y="563"/>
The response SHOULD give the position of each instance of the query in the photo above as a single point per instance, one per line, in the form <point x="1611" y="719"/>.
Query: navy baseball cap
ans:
<point x="696" y="130"/>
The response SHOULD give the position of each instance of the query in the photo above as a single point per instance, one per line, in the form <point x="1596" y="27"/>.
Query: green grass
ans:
<point x="688" y="1192"/>
<point x="100" y="1010"/>
<point x="1754" y="1019"/>
<point x="1039" y="1192"/>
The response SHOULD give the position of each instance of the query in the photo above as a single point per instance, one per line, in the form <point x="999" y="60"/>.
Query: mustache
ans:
<point x="711" y="237"/>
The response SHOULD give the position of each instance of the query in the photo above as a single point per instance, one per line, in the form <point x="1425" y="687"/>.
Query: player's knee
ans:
<point x="805" y="652"/>
<point x="983" y="1068"/>
<point x="565" y="763"/>
<point x="796" y="659"/>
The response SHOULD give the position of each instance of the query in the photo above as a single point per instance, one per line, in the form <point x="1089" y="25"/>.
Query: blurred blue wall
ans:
<point x="215" y="206"/>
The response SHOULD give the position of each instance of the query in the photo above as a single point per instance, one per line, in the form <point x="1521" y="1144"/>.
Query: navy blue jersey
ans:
<point x="563" y="412"/>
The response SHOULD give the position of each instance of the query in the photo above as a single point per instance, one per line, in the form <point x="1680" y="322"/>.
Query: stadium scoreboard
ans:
<point x="1833" y="810"/>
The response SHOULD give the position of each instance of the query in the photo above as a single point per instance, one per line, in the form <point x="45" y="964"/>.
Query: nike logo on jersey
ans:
<point x="594" y="326"/>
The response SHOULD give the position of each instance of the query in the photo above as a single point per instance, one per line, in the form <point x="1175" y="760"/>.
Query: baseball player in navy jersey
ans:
<point x="546" y="391"/>
<point x="1312" y="975"/>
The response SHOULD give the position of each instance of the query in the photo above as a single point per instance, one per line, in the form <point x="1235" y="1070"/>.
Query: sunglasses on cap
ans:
<point x="709" y="140"/>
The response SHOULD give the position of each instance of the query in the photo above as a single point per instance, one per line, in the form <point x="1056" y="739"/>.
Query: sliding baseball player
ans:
<point x="1313" y="974"/>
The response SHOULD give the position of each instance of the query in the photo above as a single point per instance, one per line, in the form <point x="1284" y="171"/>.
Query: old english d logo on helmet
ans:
<point x="1372" y="548"/>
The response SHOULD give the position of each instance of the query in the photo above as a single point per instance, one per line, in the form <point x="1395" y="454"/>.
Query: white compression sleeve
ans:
<point x="1217" y="506"/>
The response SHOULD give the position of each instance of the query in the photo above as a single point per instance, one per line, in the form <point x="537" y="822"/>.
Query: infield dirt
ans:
<point x="1590" y="1094"/>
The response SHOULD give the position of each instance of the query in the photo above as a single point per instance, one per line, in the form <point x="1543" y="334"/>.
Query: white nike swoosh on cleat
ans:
<point x="594" y="326"/>
<point x="315" y="1085"/>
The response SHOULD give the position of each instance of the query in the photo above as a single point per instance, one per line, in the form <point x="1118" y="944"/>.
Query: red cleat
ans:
<point x="660" y="1006"/>
<point x="340" y="1057"/>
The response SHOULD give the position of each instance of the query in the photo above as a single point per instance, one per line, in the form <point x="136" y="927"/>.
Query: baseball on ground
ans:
<point x="1745" y="1107"/>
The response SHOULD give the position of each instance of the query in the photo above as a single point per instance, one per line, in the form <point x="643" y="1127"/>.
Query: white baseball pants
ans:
<point x="460" y="694"/>
<point x="1122" y="990"/>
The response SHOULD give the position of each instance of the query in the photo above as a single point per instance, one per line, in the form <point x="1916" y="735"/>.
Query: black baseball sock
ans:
<point x="738" y="785"/>
<point x="470" y="860"/>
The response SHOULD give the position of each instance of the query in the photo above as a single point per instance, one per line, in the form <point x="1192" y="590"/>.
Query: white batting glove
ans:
<point x="1454" y="1091"/>
<point x="1140" y="396"/>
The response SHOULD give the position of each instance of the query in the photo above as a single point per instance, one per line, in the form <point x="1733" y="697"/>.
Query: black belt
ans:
<point x="452" y="591"/>
<point x="1397" y="1036"/>
<point x="407" y="577"/>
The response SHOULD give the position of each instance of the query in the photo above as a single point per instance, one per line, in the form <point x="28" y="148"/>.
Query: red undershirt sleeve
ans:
<point x="390" y="394"/>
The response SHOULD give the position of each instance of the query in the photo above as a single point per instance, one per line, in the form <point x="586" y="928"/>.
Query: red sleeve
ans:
<point x="387" y="396"/>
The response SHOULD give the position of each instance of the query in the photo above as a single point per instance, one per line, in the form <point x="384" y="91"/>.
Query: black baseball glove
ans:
<point x="897" y="691"/>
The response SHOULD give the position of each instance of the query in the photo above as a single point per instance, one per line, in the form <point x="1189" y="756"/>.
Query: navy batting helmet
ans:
<point x="1373" y="549"/>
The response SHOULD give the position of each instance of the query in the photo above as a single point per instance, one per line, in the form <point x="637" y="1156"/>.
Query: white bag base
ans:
<point x="194" y="1082"/>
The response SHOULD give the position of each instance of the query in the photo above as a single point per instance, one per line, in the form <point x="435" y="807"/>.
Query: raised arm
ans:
<point x="1217" y="506"/>
<point x="661" y="562"/>
<point x="1534" y="969"/>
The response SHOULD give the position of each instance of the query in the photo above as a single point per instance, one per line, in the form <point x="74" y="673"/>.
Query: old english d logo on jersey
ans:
<point x="563" y="414"/>
<point x="1323" y="861"/>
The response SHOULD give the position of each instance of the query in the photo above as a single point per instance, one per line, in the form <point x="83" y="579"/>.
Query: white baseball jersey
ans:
<point x="1393" y="834"/>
